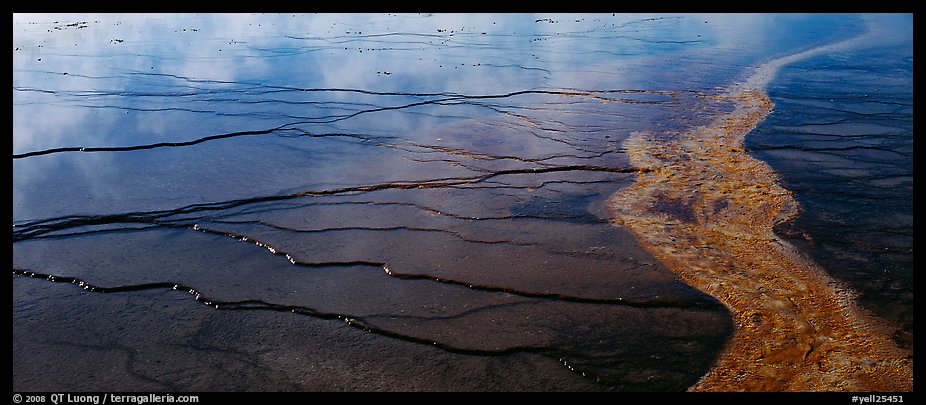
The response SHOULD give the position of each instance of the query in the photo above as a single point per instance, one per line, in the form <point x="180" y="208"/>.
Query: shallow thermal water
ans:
<point x="841" y="136"/>
<point x="407" y="202"/>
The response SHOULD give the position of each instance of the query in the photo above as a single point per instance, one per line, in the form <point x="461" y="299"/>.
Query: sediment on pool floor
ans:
<point x="795" y="328"/>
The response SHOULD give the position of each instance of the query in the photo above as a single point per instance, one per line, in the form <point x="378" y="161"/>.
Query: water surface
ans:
<point x="363" y="202"/>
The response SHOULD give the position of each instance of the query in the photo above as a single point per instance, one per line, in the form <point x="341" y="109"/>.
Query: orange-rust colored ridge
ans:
<point x="707" y="209"/>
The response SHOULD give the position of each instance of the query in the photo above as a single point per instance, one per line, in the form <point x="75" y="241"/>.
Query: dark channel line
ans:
<point x="456" y="235"/>
<point x="256" y="304"/>
<point x="145" y="146"/>
<point x="50" y="233"/>
<point x="30" y="229"/>
<point x="653" y="303"/>
<point x="355" y="322"/>
<point x="424" y="208"/>
<point x="828" y="149"/>
<point x="280" y="129"/>
<point x="446" y="99"/>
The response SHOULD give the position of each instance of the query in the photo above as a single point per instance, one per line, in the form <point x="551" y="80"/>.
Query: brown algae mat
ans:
<point x="707" y="210"/>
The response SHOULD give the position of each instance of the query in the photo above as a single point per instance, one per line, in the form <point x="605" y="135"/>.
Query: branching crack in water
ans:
<point x="260" y="305"/>
<point x="560" y="355"/>
<point x="293" y="127"/>
<point x="834" y="149"/>
<point x="651" y="303"/>
<point x="186" y="217"/>
<point x="456" y="235"/>
<point x="282" y="130"/>
<point x="30" y="229"/>
<point x="51" y="227"/>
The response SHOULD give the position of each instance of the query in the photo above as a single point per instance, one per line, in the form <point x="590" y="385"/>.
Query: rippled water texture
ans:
<point x="841" y="136"/>
<point x="416" y="202"/>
